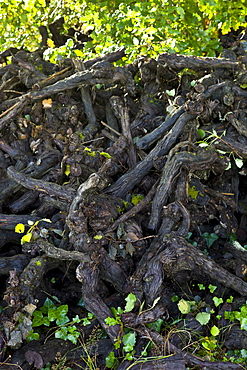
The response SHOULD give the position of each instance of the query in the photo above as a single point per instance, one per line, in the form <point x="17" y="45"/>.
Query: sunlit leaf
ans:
<point x="214" y="331"/>
<point x="98" y="237"/>
<point x="130" y="302"/>
<point x="203" y="317"/>
<point x="184" y="306"/>
<point x="26" y="238"/>
<point x="217" y="301"/>
<point x="20" y="228"/>
<point x="67" y="170"/>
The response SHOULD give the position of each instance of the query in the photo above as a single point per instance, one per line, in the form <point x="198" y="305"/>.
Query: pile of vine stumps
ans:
<point x="118" y="180"/>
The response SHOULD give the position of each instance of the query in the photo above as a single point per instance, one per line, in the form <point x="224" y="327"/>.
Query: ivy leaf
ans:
<point x="73" y="337"/>
<point x="62" y="310"/>
<point x="201" y="286"/>
<point x="210" y="238"/>
<point x="47" y="305"/>
<point x="217" y="301"/>
<point x="62" y="320"/>
<point x="32" y="336"/>
<point x="76" y="319"/>
<point x="38" y="319"/>
<point x="212" y="288"/>
<point x="52" y="314"/>
<point x="62" y="333"/>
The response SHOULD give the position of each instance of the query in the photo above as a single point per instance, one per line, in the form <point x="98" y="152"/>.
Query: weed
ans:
<point x="212" y="138"/>
<point x="65" y="328"/>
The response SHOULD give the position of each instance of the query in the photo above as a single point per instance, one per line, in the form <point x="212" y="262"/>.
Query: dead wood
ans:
<point x="177" y="62"/>
<point x="121" y="185"/>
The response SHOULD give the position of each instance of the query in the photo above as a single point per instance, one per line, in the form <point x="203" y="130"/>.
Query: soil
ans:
<point x="117" y="181"/>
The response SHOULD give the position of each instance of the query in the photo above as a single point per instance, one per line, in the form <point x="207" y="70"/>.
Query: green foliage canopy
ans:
<point x="143" y="27"/>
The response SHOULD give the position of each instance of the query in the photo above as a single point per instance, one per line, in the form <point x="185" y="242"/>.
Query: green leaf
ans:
<point x="117" y="343"/>
<point x="184" y="306"/>
<point x="81" y="302"/>
<point x="38" y="319"/>
<point x="73" y="337"/>
<point x="32" y="336"/>
<point x="201" y="286"/>
<point x="130" y="302"/>
<point x="129" y="356"/>
<point x="175" y="298"/>
<point x="129" y="341"/>
<point x="201" y="133"/>
<point x="212" y="288"/>
<point x="210" y="238"/>
<point x="192" y="192"/>
<point x="46" y="321"/>
<point x="214" y="331"/>
<point x="85" y="321"/>
<point x="110" y="360"/>
<point x="116" y="311"/>
<point x="217" y="301"/>
<point x="203" y="317"/>
<point x="62" y="310"/>
<point x="47" y="305"/>
<point x="53" y="314"/>
<point x="111" y="321"/>
<point x="209" y="343"/>
<point x="243" y="323"/>
<point x="136" y="198"/>
<point x="230" y="299"/>
<point x="76" y="319"/>
<point x="243" y="353"/>
<point x="156" y="325"/>
<point x="70" y="43"/>
<point x="62" y="320"/>
<point x="67" y="170"/>
<point x="62" y="333"/>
